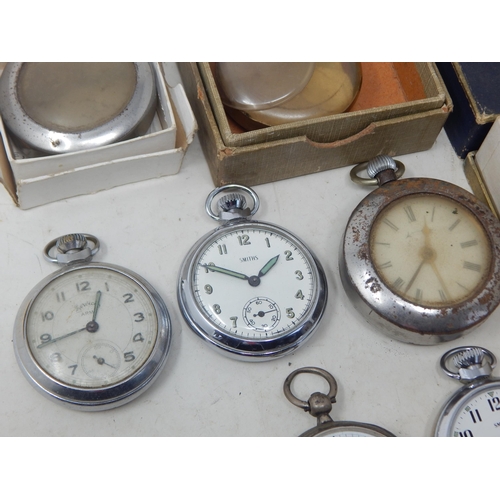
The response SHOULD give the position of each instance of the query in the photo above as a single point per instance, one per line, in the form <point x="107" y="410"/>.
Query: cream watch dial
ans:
<point x="91" y="328"/>
<point x="254" y="283"/>
<point x="430" y="250"/>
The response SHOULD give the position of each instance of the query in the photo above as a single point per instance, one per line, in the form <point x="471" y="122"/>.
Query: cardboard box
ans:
<point x="39" y="180"/>
<point x="409" y="109"/>
<point x="474" y="90"/>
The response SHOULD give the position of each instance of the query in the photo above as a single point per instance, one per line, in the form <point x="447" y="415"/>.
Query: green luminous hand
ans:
<point x="268" y="266"/>
<point x="222" y="270"/>
<point x="97" y="304"/>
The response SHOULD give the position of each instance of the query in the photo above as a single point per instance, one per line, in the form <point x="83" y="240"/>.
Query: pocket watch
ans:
<point x="319" y="405"/>
<point x="420" y="257"/>
<point x="250" y="289"/>
<point x="474" y="410"/>
<point x="92" y="336"/>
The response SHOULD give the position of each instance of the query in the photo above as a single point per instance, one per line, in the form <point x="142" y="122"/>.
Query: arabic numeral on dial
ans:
<point x="45" y="338"/>
<point x="128" y="356"/>
<point x="290" y="313"/>
<point x="208" y="289"/>
<point x="299" y="295"/>
<point x="268" y="243"/>
<point x="288" y="255"/>
<point x="299" y="274"/>
<point x="73" y="368"/>
<point x="138" y="337"/>
<point x="47" y="316"/>
<point x="217" y="309"/>
<point x="464" y="434"/>
<point x="55" y="357"/>
<point x="209" y="270"/>
<point x="475" y="416"/>
<point x="84" y="286"/>
<point x="222" y="249"/>
<point x="128" y="298"/>
<point x="244" y="240"/>
<point x="494" y="404"/>
<point x="140" y="317"/>
<point x="60" y="297"/>
<point x="234" y="319"/>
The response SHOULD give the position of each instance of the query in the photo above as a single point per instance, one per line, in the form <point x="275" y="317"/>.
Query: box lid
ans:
<point x="473" y="87"/>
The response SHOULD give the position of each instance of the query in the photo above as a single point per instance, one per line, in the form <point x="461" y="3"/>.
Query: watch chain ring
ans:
<point x="227" y="187"/>
<point x="372" y="182"/>
<point x="449" y="354"/>
<point x="53" y="244"/>
<point x="315" y="371"/>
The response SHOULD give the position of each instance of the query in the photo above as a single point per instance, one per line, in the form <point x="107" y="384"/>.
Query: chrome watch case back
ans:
<point x="420" y="257"/>
<point x="319" y="405"/>
<point x="250" y="289"/>
<point x="474" y="410"/>
<point x="91" y="336"/>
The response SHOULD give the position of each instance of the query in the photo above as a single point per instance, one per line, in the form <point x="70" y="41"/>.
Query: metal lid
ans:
<point x="66" y="107"/>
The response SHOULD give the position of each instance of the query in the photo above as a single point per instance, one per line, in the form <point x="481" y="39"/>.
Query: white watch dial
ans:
<point x="254" y="283"/>
<point x="430" y="250"/>
<point x="91" y="327"/>
<point x="479" y="416"/>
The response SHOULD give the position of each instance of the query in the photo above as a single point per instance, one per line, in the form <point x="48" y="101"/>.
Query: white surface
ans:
<point x="148" y="227"/>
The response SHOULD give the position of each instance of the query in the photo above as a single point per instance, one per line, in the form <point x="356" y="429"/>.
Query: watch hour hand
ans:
<point x="270" y="264"/>
<point x="217" y="269"/>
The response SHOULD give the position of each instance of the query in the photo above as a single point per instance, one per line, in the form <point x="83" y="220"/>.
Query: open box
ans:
<point x="400" y="109"/>
<point x="44" y="179"/>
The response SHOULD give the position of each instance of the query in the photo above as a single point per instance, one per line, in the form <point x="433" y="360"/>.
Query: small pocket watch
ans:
<point x="319" y="405"/>
<point x="474" y="410"/>
<point x="92" y="336"/>
<point x="422" y="254"/>
<point x="251" y="289"/>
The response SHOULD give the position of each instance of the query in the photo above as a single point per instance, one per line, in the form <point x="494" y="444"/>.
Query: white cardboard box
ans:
<point x="37" y="181"/>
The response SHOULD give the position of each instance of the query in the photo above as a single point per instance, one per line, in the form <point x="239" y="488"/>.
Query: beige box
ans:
<point x="36" y="181"/>
<point x="401" y="109"/>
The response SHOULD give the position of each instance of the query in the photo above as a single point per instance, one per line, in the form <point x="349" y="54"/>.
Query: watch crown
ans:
<point x="470" y="357"/>
<point x="379" y="164"/>
<point x="71" y="243"/>
<point x="232" y="201"/>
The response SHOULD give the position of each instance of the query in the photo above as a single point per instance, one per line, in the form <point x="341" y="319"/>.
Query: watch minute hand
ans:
<point x="51" y="341"/>
<point x="270" y="264"/>
<point x="222" y="270"/>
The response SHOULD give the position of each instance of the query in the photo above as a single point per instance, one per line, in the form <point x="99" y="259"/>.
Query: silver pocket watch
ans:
<point x="92" y="336"/>
<point x="420" y="257"/>
<point x="474" y="410"/>
<point x="319" y="405"/>
<point x="250" y="289"/>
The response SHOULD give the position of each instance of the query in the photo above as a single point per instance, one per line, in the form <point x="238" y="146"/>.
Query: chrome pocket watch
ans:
<point x="474" y="410"/>
<point x="319" y="405"/>
<point x="92" y="335"/>
<point x="420" y="256"/>
<point x="250" y="289"/>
